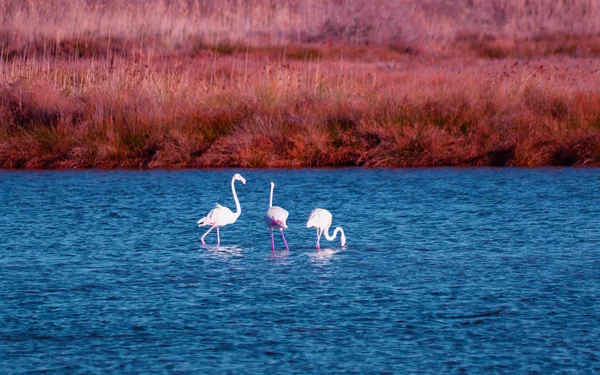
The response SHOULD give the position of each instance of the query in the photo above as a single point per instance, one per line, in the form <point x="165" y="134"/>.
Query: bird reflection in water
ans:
<point x="322" y="256"/>
<point x="279" y="255"/>
<point x="224" y="252"/>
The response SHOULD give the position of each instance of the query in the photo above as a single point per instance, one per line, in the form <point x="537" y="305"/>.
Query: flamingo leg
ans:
<point x="317" y="238"/>
<point x="319" y="234"/>
<point x="207" y="232"/>
<point x="284" y="241"/>
<point x="218" y="237"/>
<point x="272" y="241"/>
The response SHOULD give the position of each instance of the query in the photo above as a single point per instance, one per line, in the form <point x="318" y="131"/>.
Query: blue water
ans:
<point x="447" y="270"/>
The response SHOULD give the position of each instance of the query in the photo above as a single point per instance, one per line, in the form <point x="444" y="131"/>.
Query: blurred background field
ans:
<point x="161" y="84"/>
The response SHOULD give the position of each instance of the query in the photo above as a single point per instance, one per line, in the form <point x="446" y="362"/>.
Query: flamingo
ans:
<point x="320" y="218"/>
<point x="220" y="215"/>
<point x="275" y="218"/>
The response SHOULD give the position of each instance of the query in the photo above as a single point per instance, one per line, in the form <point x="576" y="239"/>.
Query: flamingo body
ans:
<point x="276" y="217"/>
<point x="319" y="218"/>
<point x="219" y="216"/>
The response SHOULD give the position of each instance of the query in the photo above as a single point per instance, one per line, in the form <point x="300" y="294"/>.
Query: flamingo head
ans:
<point x="343" y="240"/>
<point x="238" y="177"/>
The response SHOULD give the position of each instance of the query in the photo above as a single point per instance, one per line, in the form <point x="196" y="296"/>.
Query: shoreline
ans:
<point x="499" y="113"/>
<point x="163" y="169"/>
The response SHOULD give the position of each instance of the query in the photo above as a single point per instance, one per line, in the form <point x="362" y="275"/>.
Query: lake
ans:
<point x="446" y="270"/>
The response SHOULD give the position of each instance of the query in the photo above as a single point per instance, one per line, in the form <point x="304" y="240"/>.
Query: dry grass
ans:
<point x="181" y="84"/>
<point x="413" y="25"/>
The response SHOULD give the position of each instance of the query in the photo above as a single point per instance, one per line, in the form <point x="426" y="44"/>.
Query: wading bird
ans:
<point x="321" y="219"/>
<point x="275" y="218"/>
<point x="220" y="215"/>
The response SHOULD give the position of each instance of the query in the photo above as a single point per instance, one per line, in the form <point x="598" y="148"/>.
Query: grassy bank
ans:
<point x="168" y="84"/>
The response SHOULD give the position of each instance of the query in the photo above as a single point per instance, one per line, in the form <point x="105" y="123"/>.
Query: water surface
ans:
<point x="447" y="270"/>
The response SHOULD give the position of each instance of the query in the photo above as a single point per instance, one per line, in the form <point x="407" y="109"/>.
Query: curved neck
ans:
<point x="334" y="235"/>
<point x="271" y="197"/>
<point x="238" y="208"/>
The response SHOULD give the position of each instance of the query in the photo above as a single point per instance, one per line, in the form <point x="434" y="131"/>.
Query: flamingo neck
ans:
<point x="335" y="233"/>
<point x="271" y="197"/>
<point x="238" y="208"/>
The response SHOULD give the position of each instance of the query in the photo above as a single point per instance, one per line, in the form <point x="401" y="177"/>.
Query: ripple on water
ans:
<point x="447" y="270"/>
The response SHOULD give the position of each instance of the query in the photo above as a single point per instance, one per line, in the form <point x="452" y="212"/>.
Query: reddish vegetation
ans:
<point x="311" y="94"/>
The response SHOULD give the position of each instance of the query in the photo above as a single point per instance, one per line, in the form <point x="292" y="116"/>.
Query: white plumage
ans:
<point x="321" y="219"/>
<point x="276" y="217"/>
<point x="220" y="215"/>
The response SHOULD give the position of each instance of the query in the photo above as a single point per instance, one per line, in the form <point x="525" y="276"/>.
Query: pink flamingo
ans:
<point x="220" y="215"/>
<point x="321" y="219"/>
<point x="275" y="218"/>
